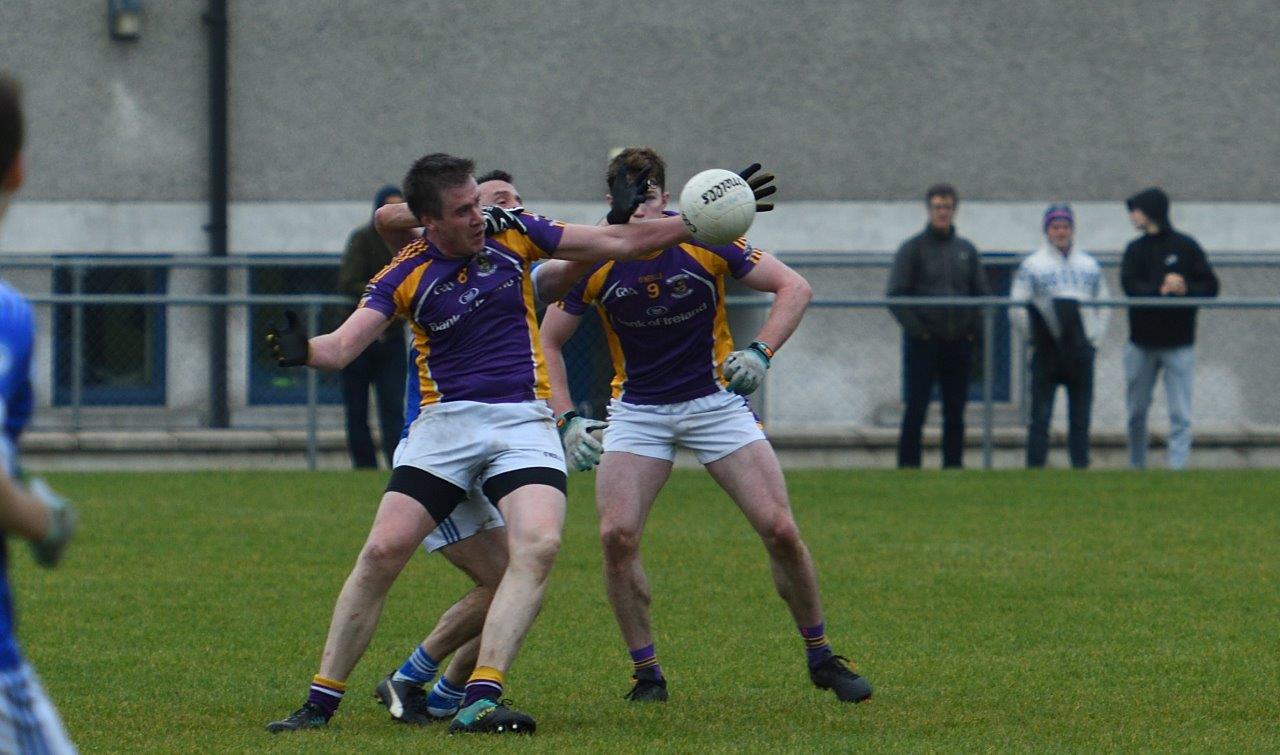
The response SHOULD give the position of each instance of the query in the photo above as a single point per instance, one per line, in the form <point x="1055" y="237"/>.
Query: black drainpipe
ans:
<point x="215" y="20"/>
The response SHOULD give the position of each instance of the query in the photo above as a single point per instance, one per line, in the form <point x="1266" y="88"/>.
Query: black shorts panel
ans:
<point x="438" y="496"/>
<point x="499" y="486"/>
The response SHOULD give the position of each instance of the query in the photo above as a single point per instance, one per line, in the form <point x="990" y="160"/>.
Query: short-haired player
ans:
<point x="465" y="288"/>
<point x="28" y="721"/>
<point x="679" y="383"/>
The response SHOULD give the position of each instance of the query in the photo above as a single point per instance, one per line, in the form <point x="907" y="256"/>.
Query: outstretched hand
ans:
<point x="498" y="219"/>
<point x="761" y="186"/>
<point x="626" y="196"/>
<point x="289" y="343"/>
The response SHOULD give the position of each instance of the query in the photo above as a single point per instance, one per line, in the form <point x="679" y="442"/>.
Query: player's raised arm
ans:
<point x="553" y="279"/>
<point x="603" y="242"/>
<point x="396" y="224"/>
<point x="331" y="351"/>
<point x="744" y="369"/>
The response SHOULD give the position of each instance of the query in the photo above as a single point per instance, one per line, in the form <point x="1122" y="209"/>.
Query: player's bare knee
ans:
<point x="384" y="559"/>
<point x="782" y="538"/>
<point x="535" y="550"/>
<point x="620" y="544"/>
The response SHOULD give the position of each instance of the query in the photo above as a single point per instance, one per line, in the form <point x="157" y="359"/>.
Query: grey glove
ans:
<point x="744" y="370"/>
<point x="62" y="524"/>
<point x="581" y="449"/>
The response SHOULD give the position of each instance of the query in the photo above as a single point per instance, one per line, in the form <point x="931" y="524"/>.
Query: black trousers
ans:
<point x="947" y="363"/>
<point x="383" y="365"/>
<point x="1049" y="369"/>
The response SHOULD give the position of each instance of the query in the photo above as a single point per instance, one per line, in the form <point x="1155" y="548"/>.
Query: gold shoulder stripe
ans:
<point x="417" y="246"/>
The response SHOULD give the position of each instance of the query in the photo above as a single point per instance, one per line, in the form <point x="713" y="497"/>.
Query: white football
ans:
<point x="717" y="206"/>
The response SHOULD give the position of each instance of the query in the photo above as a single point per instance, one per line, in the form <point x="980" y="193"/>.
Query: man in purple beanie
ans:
<point x="1054" y="283"/>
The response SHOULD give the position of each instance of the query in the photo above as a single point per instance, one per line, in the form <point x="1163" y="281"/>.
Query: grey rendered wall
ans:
<point x="848" y="101"/>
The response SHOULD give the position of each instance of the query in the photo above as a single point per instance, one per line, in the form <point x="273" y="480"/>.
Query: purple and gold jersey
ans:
<point x="475" y="333"/>
<point x="664" y="319"/>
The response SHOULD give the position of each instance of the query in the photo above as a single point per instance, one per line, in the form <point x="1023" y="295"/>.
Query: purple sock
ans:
<point x="325" y="698"/>
<point x="646" y="659"/>
<point x="816" y="646"/>
<point x="480" y="689"/>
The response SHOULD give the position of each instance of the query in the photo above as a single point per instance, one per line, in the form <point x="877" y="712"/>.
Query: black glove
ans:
<point x="627" y="196"/>
<point x="760" y="186"/>
<point x="498" y="219"/>
<point x="289" y="344"/>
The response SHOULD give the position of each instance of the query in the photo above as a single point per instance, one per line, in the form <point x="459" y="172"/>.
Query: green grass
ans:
<point x="993" y="611"/>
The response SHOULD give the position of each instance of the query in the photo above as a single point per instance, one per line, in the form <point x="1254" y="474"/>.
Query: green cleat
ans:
<point x="834" y="674"/>
<point x="484" y="716"/>
<point x="309" y="716"/>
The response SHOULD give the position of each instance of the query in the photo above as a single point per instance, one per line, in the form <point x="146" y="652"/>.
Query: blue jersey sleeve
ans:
<point x="17" y="336"/>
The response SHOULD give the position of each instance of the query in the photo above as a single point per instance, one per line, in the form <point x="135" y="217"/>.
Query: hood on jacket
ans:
<point x="380" y="198"/>
<point x="1154" y="203"/>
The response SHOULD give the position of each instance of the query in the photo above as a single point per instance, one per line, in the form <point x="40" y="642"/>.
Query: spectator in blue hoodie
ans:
<point x="1161" y="262"/>
<point x="383" y="365"/>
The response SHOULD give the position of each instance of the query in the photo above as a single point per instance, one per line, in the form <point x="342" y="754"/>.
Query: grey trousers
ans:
<point x="1142" y="366"/>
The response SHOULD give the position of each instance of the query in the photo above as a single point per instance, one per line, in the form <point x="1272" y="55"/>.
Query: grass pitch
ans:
<point x="1002" y="611"/>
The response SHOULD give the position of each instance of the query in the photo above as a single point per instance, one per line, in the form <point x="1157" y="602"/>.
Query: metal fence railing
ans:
<point x="76" y="311"/>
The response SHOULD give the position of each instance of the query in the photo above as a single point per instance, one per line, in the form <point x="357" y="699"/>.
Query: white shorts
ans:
<point x="712" y="427"/>
<point x="467" y="442"/>
<point x="473" y="516"/>
<point x="28" y="721"/>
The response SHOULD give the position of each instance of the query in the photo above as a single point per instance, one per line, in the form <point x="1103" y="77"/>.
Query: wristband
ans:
<point x="563" y="419"/>
<point x="764" y="350"/>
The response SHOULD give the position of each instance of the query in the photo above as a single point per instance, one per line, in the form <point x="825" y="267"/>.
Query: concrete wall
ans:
<point x="1008" y="99"/>
<point x="856" y="106"/>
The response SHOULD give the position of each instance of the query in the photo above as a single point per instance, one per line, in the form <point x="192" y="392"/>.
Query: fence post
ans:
<point x="988" y="365"/>
<point x="77" y="346"/>
<point x="313" y="393"/>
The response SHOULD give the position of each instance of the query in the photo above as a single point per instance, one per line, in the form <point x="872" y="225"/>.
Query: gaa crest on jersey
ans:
<point x="484" y="263"/>
<point x="679" y="285"/>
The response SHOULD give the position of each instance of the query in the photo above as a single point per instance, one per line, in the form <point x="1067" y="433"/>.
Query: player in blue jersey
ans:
<point x="28" y="721"/>
<point x="465" y="288"/>
<point x="679" y="382"/>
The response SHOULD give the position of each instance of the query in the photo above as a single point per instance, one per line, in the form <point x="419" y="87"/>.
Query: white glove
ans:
<point x="62" y="524"/>
<point x="744" y="370"/>
<point x="581" y="449"/>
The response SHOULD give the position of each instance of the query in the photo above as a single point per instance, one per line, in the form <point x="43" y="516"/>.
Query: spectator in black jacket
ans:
<point x="1161" y="262"/>
<point x="937" y="262"/>
<point x="384" y="364"/>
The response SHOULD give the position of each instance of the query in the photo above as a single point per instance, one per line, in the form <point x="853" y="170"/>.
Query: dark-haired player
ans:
<point x="465" y="289"/>
<point x="28" y="721"/>
<point x="678" y="382"/>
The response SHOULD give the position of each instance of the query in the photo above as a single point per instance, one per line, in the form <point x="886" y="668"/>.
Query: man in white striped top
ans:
<point x="1055" y="283"/>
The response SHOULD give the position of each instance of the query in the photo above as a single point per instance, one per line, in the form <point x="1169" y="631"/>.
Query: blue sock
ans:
<point x="419" y="669"/>
<point x="444" y="698"/>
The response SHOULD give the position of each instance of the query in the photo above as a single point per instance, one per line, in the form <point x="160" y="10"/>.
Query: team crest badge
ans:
<point x="679" y="285"/>
<point x="484" y="263"/>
